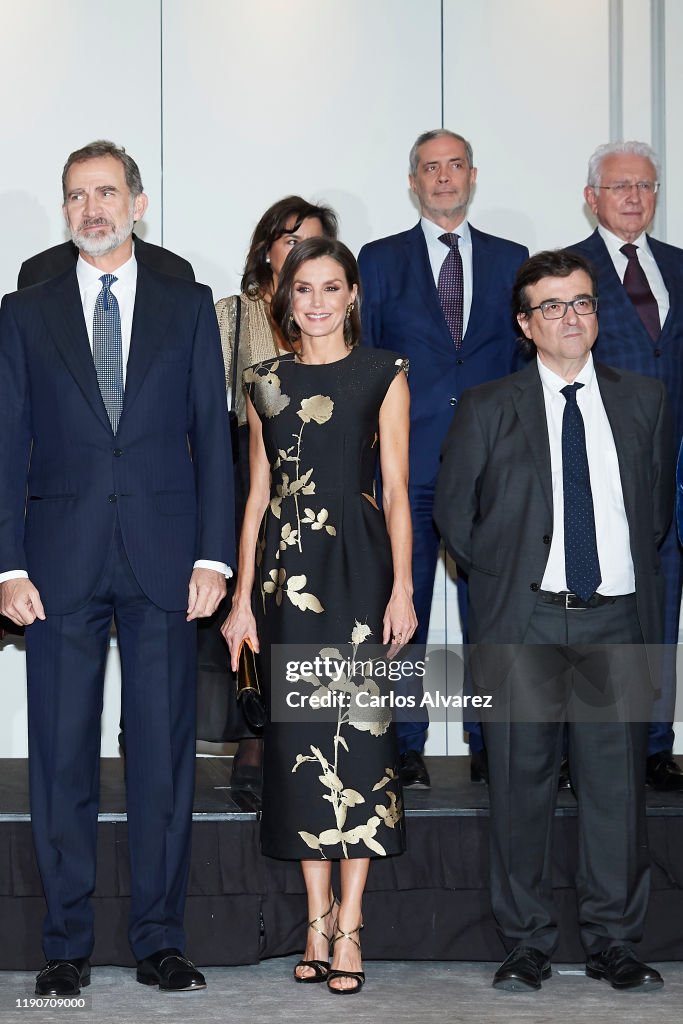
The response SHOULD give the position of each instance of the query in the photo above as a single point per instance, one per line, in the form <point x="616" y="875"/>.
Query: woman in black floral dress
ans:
<point x="328" y="568"/>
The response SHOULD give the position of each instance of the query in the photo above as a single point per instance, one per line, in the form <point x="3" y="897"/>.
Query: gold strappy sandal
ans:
<point x="320" y="968"/>
<point x="357" y="976"/>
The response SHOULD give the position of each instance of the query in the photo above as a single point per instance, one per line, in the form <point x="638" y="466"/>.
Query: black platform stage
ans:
<point x="430" y="904"/>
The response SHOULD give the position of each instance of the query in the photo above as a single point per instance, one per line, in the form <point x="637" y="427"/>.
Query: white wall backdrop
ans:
<point x="227" y="106"/>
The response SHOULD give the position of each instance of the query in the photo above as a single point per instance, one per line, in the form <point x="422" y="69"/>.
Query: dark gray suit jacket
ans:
<point x="494" y="494"/>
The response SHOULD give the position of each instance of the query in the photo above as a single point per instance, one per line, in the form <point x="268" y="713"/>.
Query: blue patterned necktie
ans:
<point x="107" y="350"/>
<point x="580" y="544"/>
<point x="450" y="288"/>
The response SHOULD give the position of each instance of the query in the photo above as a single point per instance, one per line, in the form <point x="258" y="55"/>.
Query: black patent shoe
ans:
<point x="171" y="971"/>
<point x="663" y="773"/>
<point x="479" y="766"/>
<point x="413" y="771"/>
<point x="524" y="970"/>
<point x="622" y="969"/>
<point x="63" y="977"/>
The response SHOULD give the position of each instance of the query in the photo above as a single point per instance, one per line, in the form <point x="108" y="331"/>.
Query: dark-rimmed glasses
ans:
<point x="555" y="309"/>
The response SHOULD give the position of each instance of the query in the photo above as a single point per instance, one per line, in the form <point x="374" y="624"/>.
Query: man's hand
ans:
<point x="20" y="602"/>
<point x="207" y="588"/>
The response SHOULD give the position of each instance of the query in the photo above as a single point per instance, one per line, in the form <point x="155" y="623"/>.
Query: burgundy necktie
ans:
<point x="640" y="293"/>
<point x="451" y="288"/>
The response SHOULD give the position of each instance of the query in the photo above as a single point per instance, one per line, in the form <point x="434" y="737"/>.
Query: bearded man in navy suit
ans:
<point x="115" y="503"/>
<point x="640" y="284"/>
<point x="439" y="294"/>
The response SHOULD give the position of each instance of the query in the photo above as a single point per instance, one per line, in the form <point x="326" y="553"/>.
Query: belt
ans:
<point x="572" y="601"/>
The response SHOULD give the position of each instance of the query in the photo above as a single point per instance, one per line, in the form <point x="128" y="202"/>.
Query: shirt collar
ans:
<point x="432" y="231"/>
<point x="554" y="383"/>
<point x="614" y="243"/>
<point x="88" y="275"/>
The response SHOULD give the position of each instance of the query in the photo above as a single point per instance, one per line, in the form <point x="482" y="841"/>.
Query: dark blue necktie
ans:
<point x="580" y="545"/>
<point x="450" y="288"/>
<point x="107" y="350"/>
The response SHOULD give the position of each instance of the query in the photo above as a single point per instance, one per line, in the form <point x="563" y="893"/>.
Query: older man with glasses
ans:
<point x="640" y="283"/>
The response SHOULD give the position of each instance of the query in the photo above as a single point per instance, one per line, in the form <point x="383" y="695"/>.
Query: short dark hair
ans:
<point x="548" y="263"/>
<point x="257" y="278"/>
<point x="315" y="249"/>
<point x="436" y="133"/>
<point x="102" y="147"/>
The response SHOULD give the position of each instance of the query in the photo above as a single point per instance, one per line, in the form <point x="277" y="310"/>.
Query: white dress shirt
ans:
<point x="611" y="525"/>
<point x="438" y="253"/>
<point x="123" y="288"/>
<point x="647" y="262"/>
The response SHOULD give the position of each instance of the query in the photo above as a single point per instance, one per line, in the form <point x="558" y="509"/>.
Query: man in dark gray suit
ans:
<point x="555" y="489"/>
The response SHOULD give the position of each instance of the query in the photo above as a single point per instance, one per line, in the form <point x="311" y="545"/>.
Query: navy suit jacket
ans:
<point x="54" y="261"/>
<point x="622" y="339"/>
<point x="64" y="476"/>
<point x="401" y="311"/>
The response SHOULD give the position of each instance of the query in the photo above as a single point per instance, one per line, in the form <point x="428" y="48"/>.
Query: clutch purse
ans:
<point x="248" y="690"/>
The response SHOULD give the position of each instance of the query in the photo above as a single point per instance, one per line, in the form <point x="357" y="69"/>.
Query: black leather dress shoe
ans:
<point x="479" y="766"/>
<point x="664" y="773"/>
<point x="171" y="971"/>
<point x="63" y="977"/>
<point x="523" y="971"/>
<point x="413" y="771"/>
<point x="621" y="967"/>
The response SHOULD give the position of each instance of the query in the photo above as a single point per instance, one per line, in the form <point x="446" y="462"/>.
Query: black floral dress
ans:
<point x="323" y="577"/>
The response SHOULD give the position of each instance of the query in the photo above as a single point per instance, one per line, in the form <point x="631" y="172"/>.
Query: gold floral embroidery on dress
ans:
<point x="280" y="584"/>
<point x="268" y="397"/>
<point x="372" y="498"/>
<point x="294" y="483"/>
<point x="343" y="798"/>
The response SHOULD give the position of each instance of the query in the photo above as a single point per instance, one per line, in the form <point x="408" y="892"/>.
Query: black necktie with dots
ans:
<point x="582" y="565"/>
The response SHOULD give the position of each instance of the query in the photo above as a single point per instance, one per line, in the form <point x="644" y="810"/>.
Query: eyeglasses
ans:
<point x="553" y="309"/>
<point x="620" y="188"/>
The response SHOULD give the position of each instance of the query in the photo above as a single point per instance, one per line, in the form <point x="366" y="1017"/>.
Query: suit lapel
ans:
<point x="154" y="303"/>
<point x="612" y="290"/>
<point x="480" y="280"/>
<point x="66" y="324"/>
<point x="530" y="407"/>
<point x="620" y="409"/>
<point x="421" y="269"/>
<point x="673" y="286"/>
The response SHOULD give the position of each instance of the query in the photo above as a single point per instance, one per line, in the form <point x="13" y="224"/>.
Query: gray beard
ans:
<point x="92" y="245"/>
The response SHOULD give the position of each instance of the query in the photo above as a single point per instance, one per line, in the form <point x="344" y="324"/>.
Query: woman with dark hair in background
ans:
<point x="248" y="334"/>
<point x="331" y="572"/>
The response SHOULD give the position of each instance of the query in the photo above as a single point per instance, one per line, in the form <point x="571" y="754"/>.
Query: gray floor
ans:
<point x="398" y="993"/>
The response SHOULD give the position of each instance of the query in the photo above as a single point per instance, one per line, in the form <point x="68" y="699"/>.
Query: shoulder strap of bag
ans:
<point x="235" y="350"/>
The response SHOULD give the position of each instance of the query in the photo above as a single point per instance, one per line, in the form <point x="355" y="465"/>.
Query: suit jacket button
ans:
<point x="546" y="538"/>
<point x="534" y="587"/>
<point x="112" y="498"/>
<point x="459" y="362"/>
<point x="454" y="401"/>
<point x="118" y="452"/>
<point x="658" y="353"/>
